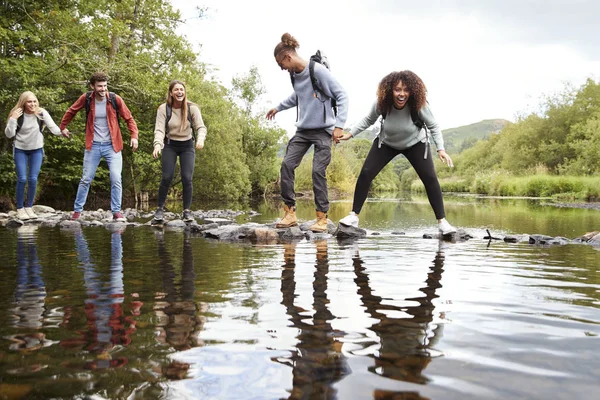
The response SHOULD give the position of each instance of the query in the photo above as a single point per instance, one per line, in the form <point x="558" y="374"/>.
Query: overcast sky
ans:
<point x="480" y="59"/>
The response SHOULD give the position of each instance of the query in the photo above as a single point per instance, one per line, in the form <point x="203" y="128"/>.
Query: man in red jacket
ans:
<point x="102" y="140"/>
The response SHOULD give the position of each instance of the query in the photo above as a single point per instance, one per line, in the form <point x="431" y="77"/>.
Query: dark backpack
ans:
<point x="22" y="117"/>
<point x="169" y="112"/>
<point x="321" y="59"/>
<point x="111" y="97"/>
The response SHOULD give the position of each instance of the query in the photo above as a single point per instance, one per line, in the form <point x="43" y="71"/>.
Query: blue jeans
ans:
<point x="25" y="159"/>
<point x="91" y="160"/>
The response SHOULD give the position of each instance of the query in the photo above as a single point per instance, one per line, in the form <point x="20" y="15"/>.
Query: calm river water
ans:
<point x="144" y="314"/>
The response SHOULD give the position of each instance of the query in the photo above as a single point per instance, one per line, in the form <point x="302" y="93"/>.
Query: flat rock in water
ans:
<point x="539" y="239"/>
<point x="291" y="233"/>
<point x="218" y="221"/>
<point x="14" y="223"/>
<point x="345" y="231"/>
<point x="40" y="209"/>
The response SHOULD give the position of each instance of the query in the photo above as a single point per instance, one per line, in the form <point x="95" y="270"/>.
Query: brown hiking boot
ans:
<point x="289" y="219"/>
<point x="321" y="224"/>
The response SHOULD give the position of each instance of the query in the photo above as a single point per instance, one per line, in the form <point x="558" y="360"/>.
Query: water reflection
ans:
<point x="30" y="294"/>
<point x="108" y="326"/>
<point x="405" y="342"/>
<point x="179" y="322"/>
<point x="318" y="361"/>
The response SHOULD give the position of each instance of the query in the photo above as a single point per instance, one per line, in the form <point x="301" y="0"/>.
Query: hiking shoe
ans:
<point x="187" y="216"/>
<point x="118" y="217"/>
<point x="350" y="220"/>
<point x="22" y="214"/>
<point x="159" y="214"/>
<point x="289" y="219"/>
<point x="321" y="224"/>
<point x="30" y="212"/>
<point x="445" y="227"/>
<point x="75" y="216"/>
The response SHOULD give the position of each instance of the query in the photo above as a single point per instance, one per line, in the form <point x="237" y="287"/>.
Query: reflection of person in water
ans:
<point x="405" y="342"/>
<point x="179" y="322"/>
<point x="30" y="293"/>
<point x="107" y="323"/>
<point x="317" y="362"/>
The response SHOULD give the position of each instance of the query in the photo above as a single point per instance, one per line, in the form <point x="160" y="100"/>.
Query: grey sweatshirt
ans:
<point x="399" y="131"/>
<point x="29" y="136"/>
<point x="175" y="123"/>
<point x="311" y="109"/>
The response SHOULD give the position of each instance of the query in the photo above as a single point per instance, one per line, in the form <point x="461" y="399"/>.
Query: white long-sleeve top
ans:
<point x="29" y="136"/>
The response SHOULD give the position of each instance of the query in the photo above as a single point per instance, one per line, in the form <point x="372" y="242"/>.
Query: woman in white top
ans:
<point x="25" y="123"/>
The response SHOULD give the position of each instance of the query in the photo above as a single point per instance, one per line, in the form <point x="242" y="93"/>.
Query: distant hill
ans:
<point x="463" y="137"/>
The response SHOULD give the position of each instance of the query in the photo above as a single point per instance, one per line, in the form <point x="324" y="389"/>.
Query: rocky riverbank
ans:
<point x="221" y="225"/>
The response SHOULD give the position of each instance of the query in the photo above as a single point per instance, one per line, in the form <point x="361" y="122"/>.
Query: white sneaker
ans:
<point x="29" y="211"/>
<point x="445" y="227"/>
<point x="22" y="214"/>
<point x="350" y="220"/>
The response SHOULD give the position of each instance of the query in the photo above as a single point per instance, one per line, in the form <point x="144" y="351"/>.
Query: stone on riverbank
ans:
<point x="221" y="226"/>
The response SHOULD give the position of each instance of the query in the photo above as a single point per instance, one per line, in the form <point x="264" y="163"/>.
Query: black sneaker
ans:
<point x="159" y="214"/>
<point x="187" y="216"/>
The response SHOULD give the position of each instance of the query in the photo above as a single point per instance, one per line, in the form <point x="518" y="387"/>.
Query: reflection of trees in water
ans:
<point x="30" y="294"/>
<point x="108" y="325"/>
<point x="317" y="362"/>
<point x="179" y="323"/>
<point x="404" y="342"/>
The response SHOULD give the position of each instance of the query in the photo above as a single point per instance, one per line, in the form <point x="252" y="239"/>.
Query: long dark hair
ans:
<point x="414" y="84"/>
<point x="184" y="104"/>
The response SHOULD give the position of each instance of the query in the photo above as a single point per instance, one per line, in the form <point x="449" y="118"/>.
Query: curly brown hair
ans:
<point x="288" y="44"/>
<point x="414" y="84"/>
<point x="98" y="77"/>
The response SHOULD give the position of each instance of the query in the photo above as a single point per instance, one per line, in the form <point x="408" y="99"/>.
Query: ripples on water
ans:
<point x="146" y="314"/>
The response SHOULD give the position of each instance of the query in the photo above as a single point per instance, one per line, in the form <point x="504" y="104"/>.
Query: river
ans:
<point x="138" y="313"/>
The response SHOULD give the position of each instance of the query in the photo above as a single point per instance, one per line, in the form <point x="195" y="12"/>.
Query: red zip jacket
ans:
<point x="111" y="116"/>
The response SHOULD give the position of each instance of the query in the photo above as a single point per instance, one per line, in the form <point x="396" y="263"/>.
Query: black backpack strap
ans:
<point x="113" y="100"/>
<point x="189" y="118"/>
<point x="88" y="100"/>
<point x="317" y="88"/>
<point x="418" y="121"/>
<point x="168" y="113"/>
<point x="294" y="81"/>
<point x="20" y="122"/>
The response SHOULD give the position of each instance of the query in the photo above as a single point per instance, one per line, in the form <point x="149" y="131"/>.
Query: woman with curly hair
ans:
<point x="25" y="123"/>
<point x="402" y="103"/>
<point x="317" y="125"/>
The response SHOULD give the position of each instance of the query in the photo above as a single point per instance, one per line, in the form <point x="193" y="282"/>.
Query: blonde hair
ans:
<point x="23" y="98"/>
<point x="288" y="44"/>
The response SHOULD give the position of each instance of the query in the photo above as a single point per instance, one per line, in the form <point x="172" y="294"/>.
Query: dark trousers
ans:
<point x="379" y="157"/>
<point x="187" y="157"/>
<point x="296" y="149"/>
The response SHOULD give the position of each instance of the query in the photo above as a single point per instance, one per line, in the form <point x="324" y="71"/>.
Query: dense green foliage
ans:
<point x="52" y="47"/>
<point x="550" y="153"/>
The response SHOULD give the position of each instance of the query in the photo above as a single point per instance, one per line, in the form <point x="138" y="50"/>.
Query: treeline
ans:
<point x="52" y="47"/>
<point x="555" y="152"/>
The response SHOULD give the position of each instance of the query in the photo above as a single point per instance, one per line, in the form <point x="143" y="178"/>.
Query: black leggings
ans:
<point x="379" y="157"/>
<point x="187" y="156"/>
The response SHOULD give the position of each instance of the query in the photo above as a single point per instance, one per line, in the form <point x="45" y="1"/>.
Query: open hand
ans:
<point x="271" y="113"/>
<point x="17" y="113"/>
<point x="445" y="158"/>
